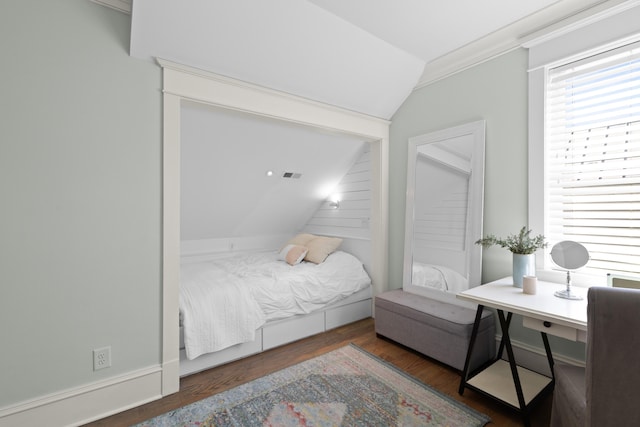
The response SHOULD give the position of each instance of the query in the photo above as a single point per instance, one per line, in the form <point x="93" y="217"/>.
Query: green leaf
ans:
<point x="521" y="243"/>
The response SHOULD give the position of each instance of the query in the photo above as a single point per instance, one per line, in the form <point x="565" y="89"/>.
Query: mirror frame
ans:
<point x="476" y="199"/>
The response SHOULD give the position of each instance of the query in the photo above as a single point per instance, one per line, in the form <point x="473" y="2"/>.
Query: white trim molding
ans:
<point x="534" y="358"/>
<point x="170" y="243"/>
<point x="199" y="85"/>
<point x="549" y="22"/>
<point x="80" y="405"/>
<point x="610" y="27"/>
<point x="602" y="12"/>
<point x="182" y="83"/>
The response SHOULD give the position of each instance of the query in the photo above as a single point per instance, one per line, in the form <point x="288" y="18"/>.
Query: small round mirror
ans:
<point x="569" y="255"/>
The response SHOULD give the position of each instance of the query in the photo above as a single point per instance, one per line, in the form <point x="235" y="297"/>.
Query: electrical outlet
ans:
<point x="101" y="358"/>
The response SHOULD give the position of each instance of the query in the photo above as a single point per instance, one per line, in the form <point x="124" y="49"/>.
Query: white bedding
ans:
<point x="438" y="277"/>
<point x="224" y="301"/>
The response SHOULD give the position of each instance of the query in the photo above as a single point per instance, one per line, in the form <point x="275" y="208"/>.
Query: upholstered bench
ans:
<point x="436" y="329"/>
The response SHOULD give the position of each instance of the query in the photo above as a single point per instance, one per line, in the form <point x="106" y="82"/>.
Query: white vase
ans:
<point x="523" y="265"/>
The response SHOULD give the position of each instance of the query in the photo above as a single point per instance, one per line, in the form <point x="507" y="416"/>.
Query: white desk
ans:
<point x="567" y="318"/>
<point x="543" y="312"/>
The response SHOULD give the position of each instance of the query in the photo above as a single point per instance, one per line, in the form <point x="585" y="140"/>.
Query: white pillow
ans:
<point x="292" y="254"/>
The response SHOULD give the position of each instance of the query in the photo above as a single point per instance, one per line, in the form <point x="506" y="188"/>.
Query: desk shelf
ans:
<point x="496" y="381"/>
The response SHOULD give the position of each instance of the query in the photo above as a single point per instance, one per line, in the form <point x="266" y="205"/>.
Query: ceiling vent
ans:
<point x="294" y="175"/>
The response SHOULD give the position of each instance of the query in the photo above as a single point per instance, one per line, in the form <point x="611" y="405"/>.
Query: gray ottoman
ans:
<point x="436" y="329"/>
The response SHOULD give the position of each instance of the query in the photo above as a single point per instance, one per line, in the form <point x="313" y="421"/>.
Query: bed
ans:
<point x="241" y="304"/>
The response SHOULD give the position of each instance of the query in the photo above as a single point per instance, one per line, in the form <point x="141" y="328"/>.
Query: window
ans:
<point x="592" y="157"/>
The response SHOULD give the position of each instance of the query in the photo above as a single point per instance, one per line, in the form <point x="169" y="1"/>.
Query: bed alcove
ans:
<point x="185" y="84"/>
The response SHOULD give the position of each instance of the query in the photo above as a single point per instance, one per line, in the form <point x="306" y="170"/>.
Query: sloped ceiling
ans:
<point x="429" y="29"/>
<point x="361" y="55"/>
<point x="225" y="156"/>
<point x="289" y="45"/>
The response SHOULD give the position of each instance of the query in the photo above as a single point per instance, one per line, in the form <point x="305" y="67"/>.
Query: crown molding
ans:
<point x="561" y="28"/>
<point x="258" y="90"/>
<point x="555" y="20"/>
<point x="119" y="5"/>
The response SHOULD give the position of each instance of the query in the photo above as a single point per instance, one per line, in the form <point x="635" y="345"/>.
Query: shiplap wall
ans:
<point x="352" y="218"/>
<point x="350" y="221"/>
<point x="440" y="210"/>
<point x="440" y="222"/>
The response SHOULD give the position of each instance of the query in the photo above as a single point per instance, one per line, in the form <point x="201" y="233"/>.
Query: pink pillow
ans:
<point x="320" y="248"/>
<point x="293" y="254"/>
<point x="300" y="239"/>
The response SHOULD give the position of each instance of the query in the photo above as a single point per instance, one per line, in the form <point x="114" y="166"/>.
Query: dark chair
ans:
<point x="607" y="391"/>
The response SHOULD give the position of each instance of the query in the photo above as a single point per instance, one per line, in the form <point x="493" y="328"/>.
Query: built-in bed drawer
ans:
<point x="289" y="330"/>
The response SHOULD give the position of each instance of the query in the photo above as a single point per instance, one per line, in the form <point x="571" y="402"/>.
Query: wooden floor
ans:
<point x="437" y="375"/>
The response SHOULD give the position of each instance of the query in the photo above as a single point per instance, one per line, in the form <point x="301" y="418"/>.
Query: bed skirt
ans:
<point x="282" y="331"/>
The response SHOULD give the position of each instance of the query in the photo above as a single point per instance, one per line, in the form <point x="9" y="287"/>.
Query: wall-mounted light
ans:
<point x="334" y="201"/>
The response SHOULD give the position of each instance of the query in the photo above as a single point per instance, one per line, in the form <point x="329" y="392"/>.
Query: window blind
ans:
<point x="592" y="150"/>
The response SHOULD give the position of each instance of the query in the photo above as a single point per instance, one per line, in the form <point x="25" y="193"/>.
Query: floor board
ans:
<point x="446" y="380"/>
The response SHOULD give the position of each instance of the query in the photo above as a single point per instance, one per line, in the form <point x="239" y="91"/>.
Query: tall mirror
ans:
<point x="445" y="193"/>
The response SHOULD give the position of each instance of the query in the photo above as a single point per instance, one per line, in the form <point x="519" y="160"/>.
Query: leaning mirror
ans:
<point x="445" y="191"/>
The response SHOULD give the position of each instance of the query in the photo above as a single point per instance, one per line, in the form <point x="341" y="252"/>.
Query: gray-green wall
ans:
<point x="495" y="91"/>
<point x="80" y="189"/>
<point x="80" y="198"/>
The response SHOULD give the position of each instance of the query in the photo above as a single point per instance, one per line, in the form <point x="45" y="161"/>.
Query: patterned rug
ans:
<point x="346" y="387"/>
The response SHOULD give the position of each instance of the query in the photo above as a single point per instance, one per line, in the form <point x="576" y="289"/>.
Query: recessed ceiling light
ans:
<point x="269" y="173"/>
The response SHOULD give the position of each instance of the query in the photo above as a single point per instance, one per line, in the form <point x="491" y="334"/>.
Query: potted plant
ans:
<point x="523" y="247"/>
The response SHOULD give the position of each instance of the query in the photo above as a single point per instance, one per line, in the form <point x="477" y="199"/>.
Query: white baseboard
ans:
<point x="535" y="358"/>
<point x="171" y="376"/>
<point x="88" y="403"/>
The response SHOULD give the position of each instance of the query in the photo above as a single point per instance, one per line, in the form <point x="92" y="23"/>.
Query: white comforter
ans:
<point x="224" y="301"/>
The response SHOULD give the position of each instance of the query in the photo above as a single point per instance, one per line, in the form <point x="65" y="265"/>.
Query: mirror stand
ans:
<point x="566" y="294"/>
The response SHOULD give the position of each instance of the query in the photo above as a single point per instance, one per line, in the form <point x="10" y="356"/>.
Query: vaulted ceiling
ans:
<point x="362" y="55"/>
<point x="225" y="156"/>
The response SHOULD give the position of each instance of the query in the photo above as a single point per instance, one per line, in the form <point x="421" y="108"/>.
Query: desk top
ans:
<point x="502" y="295"/>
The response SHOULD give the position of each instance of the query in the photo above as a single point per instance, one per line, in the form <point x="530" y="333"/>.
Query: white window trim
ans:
<point x="544" y="53"/>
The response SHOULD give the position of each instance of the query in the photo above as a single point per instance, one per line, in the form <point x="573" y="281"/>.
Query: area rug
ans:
<point x="346" y="387"/>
